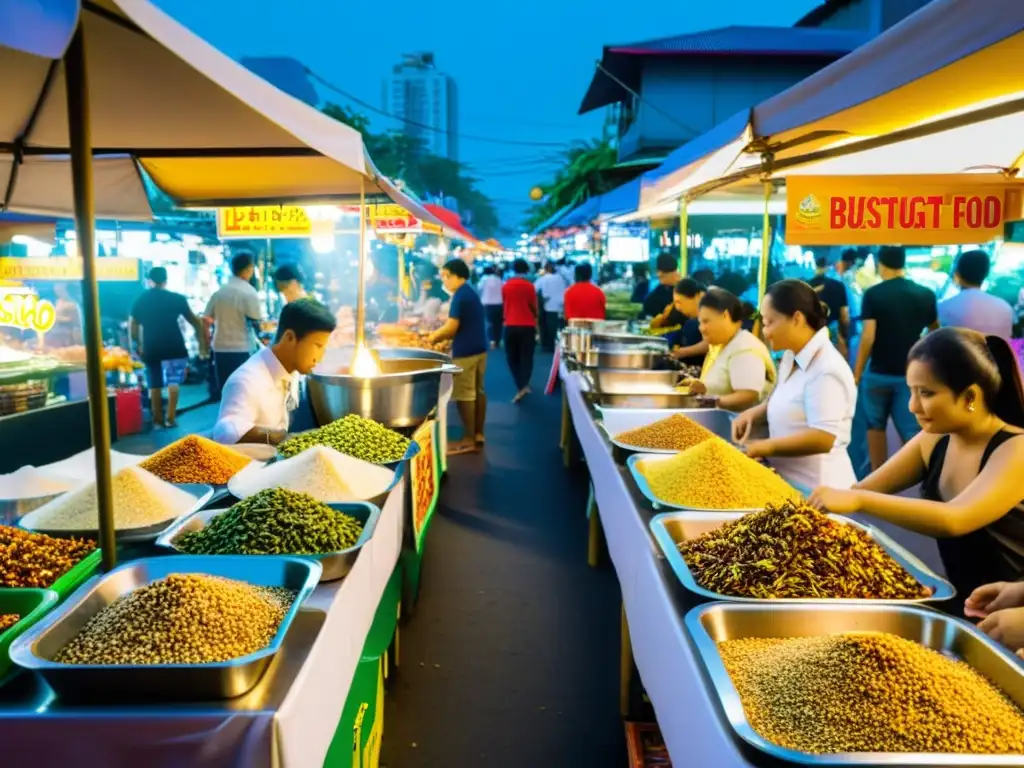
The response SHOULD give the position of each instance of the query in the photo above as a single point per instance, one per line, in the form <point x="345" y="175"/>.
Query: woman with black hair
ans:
<point x="965" y="391"/>
<point x="738" y="368"/>
<point x="810" y="412"/>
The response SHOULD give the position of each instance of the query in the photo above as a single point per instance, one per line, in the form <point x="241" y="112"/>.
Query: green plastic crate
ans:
<point x="31" y="605"/>
<point x="74" y="578"/>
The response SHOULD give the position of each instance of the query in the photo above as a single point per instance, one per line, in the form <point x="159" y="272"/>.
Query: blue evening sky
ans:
<point x="522" y="68"/>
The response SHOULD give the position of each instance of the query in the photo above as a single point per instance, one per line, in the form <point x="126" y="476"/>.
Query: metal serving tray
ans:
<point x="617" y="420"/>
<point x="222" y="680"/>
<point x="606" y="339"/>
<point x="336" y="565"/>
<point x="670" y="528"/>
<point x="203" y="495"/>
<point x="713" y="623"/>
<point x="613" y="381"/>
<point x="645" y="488"/>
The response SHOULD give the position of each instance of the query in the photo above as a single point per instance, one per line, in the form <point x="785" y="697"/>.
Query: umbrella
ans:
<point x="136" y="90"/>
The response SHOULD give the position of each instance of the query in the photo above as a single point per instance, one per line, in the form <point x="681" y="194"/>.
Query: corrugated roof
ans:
<point x="761" y="41"/>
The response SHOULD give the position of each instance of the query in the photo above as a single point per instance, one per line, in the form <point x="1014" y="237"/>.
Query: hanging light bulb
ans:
<point x="364" y="364"/>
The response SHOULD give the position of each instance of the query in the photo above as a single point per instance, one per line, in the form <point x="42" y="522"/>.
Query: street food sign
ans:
<point x="424" y="474"/>
<point x="263" y="221"/>
<point x="67" y="268"/>
<point x="23" y="309"/>
<point x="899" y="210"/>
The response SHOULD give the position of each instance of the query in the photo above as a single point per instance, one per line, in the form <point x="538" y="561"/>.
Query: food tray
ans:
<point x="617" y="420"/>
<point x="35" y="649"/>
<point x="712" y="623"/>
<point x="203" y="495"/>
<point x="336" y="565"/>
<point x="645" y="489"/>
<point x="31" y="605"/>
<point x="670" y="528"/>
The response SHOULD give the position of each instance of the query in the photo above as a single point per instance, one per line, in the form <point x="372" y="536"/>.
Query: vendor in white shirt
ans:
<point x="810" y="412"/>
<point x="259" y="397"/>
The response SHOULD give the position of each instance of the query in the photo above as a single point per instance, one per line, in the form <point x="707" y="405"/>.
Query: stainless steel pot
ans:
<point x="602" y="340"/>
<point x="403" y="395"/>
<point x="621" y="358"/>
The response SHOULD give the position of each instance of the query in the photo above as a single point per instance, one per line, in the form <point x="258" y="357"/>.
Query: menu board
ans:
<point x="424" y="478"/>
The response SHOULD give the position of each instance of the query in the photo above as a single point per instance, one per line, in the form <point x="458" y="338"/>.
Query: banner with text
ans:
<point x="66" y="268"/>
<point x="899" y="210"/>
<point x="262" y="221"/>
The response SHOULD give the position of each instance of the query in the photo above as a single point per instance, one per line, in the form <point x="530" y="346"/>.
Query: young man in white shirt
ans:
<point x="490" y="296"/>
<point x="258" y="398"/>
<point x="551" y="287"/>
<point x="233" y="309"/>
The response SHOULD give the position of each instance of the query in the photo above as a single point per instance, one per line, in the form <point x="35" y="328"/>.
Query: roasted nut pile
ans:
<point x="869" y="693"/>
<point x="34" y="560"/>
<point x="195" y="459"/>
<point x="183" y="619"/>
<point x="714" y="475"/>
<point x="8" y="620"/>
<point x="354" y="436"/>
<point x="675" y="433"/>
<point x="794" y="551"/>
<point x="275" y="522"/>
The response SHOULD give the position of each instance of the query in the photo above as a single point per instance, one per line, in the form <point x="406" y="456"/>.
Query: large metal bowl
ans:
<point x="632" y="358"/>
<point x="404" y="394"/>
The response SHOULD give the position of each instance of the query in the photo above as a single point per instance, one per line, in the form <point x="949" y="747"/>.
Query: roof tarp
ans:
<point x="625" y="198"/>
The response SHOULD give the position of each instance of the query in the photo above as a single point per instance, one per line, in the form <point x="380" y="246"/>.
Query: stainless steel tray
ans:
<point x="336" y="565"/>
<point x="673" y="401"/>
<point x="657" y="503"/>
<point x="633" y="358"/>
<point x="617" y="420"/>
<point x="713" y="623"/>
<point x="203" y="494"/>
<point x="36" y="648"/>
<point x="605" y="339"/>
<point x="670" y="528"/>
<point x="613" y="381"/>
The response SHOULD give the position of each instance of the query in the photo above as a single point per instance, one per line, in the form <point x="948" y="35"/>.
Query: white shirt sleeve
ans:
<point x="826" y="404"/>
<point x="747" y="372"/>
<point x="211" y="307"/>
<point x="238" y="411"/>
<point x="252" y="306"/>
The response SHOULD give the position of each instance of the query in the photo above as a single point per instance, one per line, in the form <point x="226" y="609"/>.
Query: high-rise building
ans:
<point x="426" y="101"/>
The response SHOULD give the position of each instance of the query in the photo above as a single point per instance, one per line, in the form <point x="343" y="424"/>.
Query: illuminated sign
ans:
<point x="22" y="308"/>
<point x="262" y="221"/>
<point x="66" y="268"/>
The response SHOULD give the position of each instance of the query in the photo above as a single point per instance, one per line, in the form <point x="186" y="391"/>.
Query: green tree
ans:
<point x="582" y="176"/>
<point x="400" y="156"/>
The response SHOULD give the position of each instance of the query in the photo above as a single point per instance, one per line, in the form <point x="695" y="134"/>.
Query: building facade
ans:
<point x="425" y="100"/>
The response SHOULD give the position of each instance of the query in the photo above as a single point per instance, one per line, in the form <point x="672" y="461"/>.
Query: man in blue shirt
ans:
<point x="465" y="326"/>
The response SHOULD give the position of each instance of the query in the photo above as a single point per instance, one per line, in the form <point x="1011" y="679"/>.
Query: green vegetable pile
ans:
<point x="274" y="522"/>
<point x="354" y="436"/>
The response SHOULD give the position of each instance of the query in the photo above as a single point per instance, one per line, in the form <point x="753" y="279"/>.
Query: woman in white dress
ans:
<point x="738" y="368"/>
<point x="810" y="412"/>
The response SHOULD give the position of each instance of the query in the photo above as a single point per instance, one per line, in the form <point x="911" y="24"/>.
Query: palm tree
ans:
<point x="583" y="176"/>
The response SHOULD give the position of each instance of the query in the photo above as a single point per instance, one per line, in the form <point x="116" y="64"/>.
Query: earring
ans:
<point x="970" y="407"/>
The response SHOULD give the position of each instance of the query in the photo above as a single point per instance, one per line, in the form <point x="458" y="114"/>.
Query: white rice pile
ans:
<point x="320" y="471"/>
<point x="32" y="483"/>
<point x="141" y="499"/>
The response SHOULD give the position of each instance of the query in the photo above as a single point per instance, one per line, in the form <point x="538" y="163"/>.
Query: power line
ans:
<point x="642" y="100"/>
<point x="470" y="137"/>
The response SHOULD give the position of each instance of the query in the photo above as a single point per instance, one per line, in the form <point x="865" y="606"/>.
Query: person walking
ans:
<point x="832" y="293"/>
<point x="894" y="314"/>
<point x="490" y="297"/>
<point x="465" y="327"/>
<point x="520" y="301"/>
<point x="233" y="308"/>
<point x="972" y="307"/>
<point x="551" y="286"/>
<point x="158" y="341"/>
<point x="584" y="300"/>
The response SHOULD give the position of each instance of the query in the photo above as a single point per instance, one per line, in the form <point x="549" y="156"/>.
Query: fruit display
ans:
<point x="869" y="693"/>
<point x="195" y="459"/>
<point x="674" y="433"/>
<point x="354" y="436"/>
<point x="35" y="560"/>
<point x="794" y="551"/>
<point x="183" y="619"/>
<point x="275" y="522"/>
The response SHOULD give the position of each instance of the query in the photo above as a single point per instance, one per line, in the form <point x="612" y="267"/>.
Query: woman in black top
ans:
<point x="966" y="394"/>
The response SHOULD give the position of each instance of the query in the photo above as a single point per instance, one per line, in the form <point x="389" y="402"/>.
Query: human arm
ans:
<point x="982" y="502"/>
<point x="867" y="341"/>
<point x="746" y="421"/>
<point x="1006" y="627"/>
<point x="694" y="350"/>
<point x="135" y="335"/>
<point x="446" y="331"/>
<point x="661" y="319"/>
<point x="989" y="598"/>
<point x="197" y="324"/>
<point x="239" y="412"/>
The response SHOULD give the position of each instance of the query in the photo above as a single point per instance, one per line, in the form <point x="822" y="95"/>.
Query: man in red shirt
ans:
<point x="584" y="301"/>
<point x="519" y="299"/>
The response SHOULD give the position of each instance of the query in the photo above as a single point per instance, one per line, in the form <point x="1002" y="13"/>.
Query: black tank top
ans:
<point x="992" y="553"/>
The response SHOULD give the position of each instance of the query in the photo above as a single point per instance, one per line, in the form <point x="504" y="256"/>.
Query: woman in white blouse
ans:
<point x="810" y="413"/>
<point x="738" y="368"/>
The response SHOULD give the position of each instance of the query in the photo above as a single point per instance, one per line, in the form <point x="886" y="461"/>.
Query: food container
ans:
<point x="617" y="420"/>
<point x="607" y="381"/>
<point x="658" y="503"/>
<point x="31" y="605"/>
<point x="221" y="680"/>
<point x="363" y="481"/>
<point x="336" y="565"/>
<point x="629" y="358"/>
<point x="77" y="574"/>
<point x="410" y="452"/>
<point x="671" y="528"/>
<point x="203" y="494"/>
<point x="603" y="339"/>
<point x="713" y="623"/>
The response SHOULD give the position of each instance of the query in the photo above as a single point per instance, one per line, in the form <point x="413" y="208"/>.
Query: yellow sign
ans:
<point x="261" y="221"/>
<point x="898" y="210"/>
<point x="21" y="308"/>
<point x="67" y="268"/>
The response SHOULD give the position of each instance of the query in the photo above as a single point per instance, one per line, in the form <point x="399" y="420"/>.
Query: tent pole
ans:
<point x="77" y="88"/>
<point x="684" y="236"/>
<point x="401" y="279"/>
<point x="361" y="287"/>
<point x="766" y="244"/>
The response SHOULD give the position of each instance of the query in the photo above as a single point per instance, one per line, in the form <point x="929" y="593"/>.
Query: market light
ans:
<point x="364" y="364"/>
<point x="322" y="245"/>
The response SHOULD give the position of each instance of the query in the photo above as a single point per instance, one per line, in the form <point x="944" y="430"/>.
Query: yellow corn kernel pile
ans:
<point x="676" y="433"/>
<point x="195" y="459"/>
<point x="869" y="693"/>
<point x="714" y="475"/>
